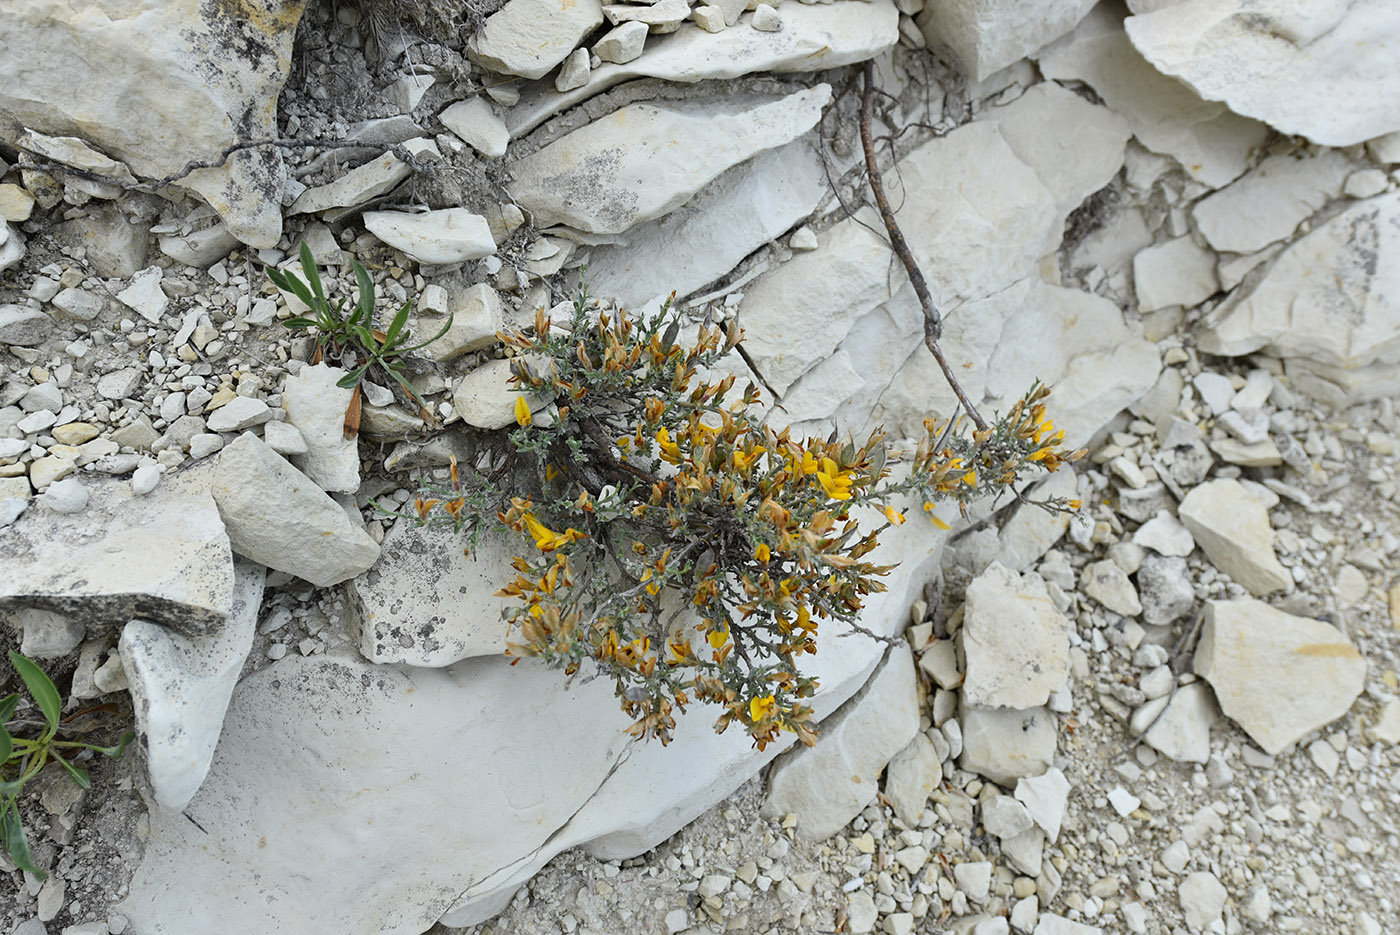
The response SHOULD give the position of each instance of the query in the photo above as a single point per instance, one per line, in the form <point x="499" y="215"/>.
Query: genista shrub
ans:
<point x="679" y="547"/>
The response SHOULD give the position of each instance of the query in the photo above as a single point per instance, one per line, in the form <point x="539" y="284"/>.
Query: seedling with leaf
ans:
<point x="23" y="758"/>
<point x="336" y="333"/>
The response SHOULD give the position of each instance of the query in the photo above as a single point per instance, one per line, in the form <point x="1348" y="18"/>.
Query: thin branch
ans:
<point x="933" y="321"/>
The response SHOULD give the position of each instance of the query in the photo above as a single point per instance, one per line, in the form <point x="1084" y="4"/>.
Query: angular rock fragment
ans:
<point x="1005" y="745"/>
<point x="316" y="407"/>
<point x="988" y="35"/>
<point x="427" y="604"/>
<point x="529" y="37"/>
<point x="166" y="559"/>
<point x="1178" y="726"/>
<point x="1232" y="528"/>
<point x="646" y="159"/>
<point x="827" y="785"/>
<point x="1276" y="675"/>
<point x="1268" y="202"/>
<point x="277" y="515"/>
<point x="450" y="235"/>
<point x="1014" y="640"/>
<point x="1307" y="69"/>
<point x="180" y="688"/>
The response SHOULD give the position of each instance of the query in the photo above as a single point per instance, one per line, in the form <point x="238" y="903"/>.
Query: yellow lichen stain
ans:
<point x="282" y="17"/>
<point x="1329" y="651"/>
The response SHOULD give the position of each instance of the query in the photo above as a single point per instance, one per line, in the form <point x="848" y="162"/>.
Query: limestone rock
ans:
<point x="449" y="235"/>
<point x="647" y="159"/>
<point x="827" y="785"/>
<point x="23" y="326"/>
<point x="1165" y="535"/>
<point x="1164" y="588"/>
<point x="911" y="777"/>
<point x="1268" y="202"/>
<point x="988" y="35"/>
<point x="1005" y="745"/>
<point x="428" y="605"/>
<point x="1232" y="528"/>
<point x="1174" y="272"/>
<point x="1303" y="68"/>
<point x="239" y="413"/>
<point x="45" y="634"/>
<point x="316" y="407"/>
<point x="166" y="560"/>
<point x="157" y="84"/>
<point x="624" y="42"/>
<point x="1045" y="797"/>
<point x="485" y="398"/>
<point x="476" y="317"/>
<point x="1014" y="640"/>
<point x="1210" y="143"/>
<point x="1329" y="304"/>
<point x="529" y="37"/>
<point x="1178" y="726"/>
<point x="180" y="688"/>
<point x="744" y="208"/>
<point x="477" y="124"/>
<point x="1276" y="675"/>
<point x="1202" y="899"/>
<point x="1108" y="584"/>
<point x="277" y="515"/>
<point x="356" y="187"/>
<point x="145" y="296"/>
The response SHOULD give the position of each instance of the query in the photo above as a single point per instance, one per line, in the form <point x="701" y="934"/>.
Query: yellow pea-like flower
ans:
<point x="760" y="707"/>
<point x="522" y="412"/>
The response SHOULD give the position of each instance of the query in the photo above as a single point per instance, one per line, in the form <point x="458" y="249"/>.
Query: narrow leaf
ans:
<point x="79" y="775"/>
<point x="290" y="282"/>
<point x="313" y="275"/>
<point x="423" y="344"/>
<point x="297" y="323"/>
<point x="7" y="745"/>
<point x="364" y="308"/>
<point x="40" y="686"/>
<point x="8" y="704"/>
<point x="396" y="326"/>
<point x="352" y="379"/>
<point x="352" y="415"/>
<point x="12" y="833"/>
<point x="115" y="751"/>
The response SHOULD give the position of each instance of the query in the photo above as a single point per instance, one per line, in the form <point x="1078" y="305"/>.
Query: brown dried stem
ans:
<point x="933" y="321"/>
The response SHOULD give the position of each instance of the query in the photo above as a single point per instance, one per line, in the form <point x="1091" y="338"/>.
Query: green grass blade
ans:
<point x="7" y="745"/>
<point x="298" y="323"/>
<point x="40" y="686"/>
<point x="364" y="308"/>
<point x="424" y="344"/>
<point x="290" y="282"/>
<point x="79" y="775"/>
<point x="391" y="337"/>
<point x="12" y="833"/>
<point x="313" y="275"/>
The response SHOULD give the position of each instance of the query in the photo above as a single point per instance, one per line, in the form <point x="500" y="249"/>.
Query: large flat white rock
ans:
<point x="1328" y="71"/>
<point x="645" y="160"/>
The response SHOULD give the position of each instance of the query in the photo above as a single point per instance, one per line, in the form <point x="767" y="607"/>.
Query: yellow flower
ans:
<point x="522" y="412"/>
<point x="970" y="478"/>
<point x="893" y="515"/>
<point x="742" y="461"/>
<point x="1075" y="504"/>
<point x="759" y="707"/>
<point x="928" y="508"/>
<point x="835" y="482"/>
<point x="670" y="451"/>
<point x="655" y="587"/>
<point x="809" y="463"/>
<point x="761" y="553"/>
<point x="546" y="539"/>
<point x="718" y="638"/>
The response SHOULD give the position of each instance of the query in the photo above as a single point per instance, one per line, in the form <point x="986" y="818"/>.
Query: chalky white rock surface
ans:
<point x="278" y="516"/>
<point x="529" y="37"/>
<point x="1268" y="202"/>
<point x="316" y="407"/>
<point x="1327" y="71"/>
<point x="813" y="38"/>
<point x="1211" y="144"/>
<point x="180" y="688"/>
<point x="1179" y="726"/>
<point x="476" y="123"/>
<point x="1004" y="744"/>
<point x="725" y="221"/>
<point x="358" y="186"/>
<point x="449" y="235"/>
<point x="1277" y="675"/>
<point x="1045" y="797"/>
<point x="424" y="604"/>
<point x="166" y="560"/>
<point x="1232" y="528"/>
<point x="911" y="777"/>
<point x="647" y="159"/>
<point x="193" y="80"/>
<point x="145" y="296"/>
<point x="827" y="785"/>
<point x="1339" y="329"/>
<point x="988" y="35"/>
<point x="1174" y="272"/>
<point x="476" y="317"/>
<point x="1014" y="640"/>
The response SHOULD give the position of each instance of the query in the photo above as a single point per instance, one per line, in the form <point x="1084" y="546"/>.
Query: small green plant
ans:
<point x="22" y="758"/>
<point x="681" y="548"/>
<point x="336" y="334"/>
